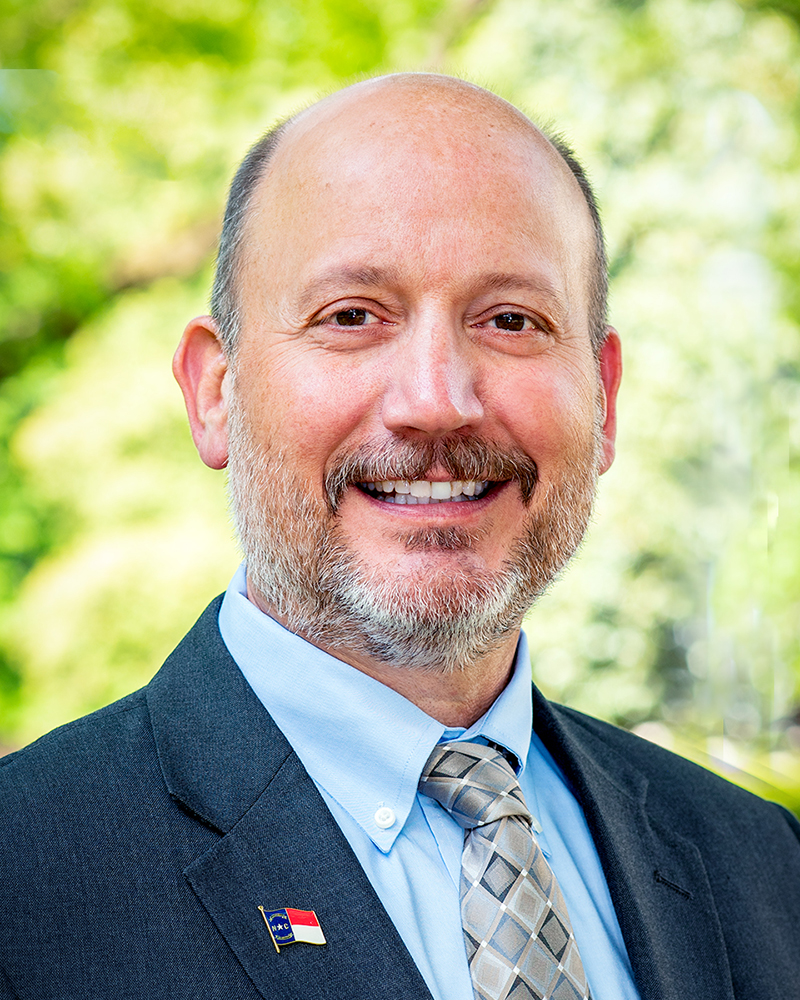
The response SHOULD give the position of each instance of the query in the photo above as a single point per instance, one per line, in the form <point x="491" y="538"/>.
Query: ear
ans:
<point x="610" y="375"/>
<point x="201" y="370"/>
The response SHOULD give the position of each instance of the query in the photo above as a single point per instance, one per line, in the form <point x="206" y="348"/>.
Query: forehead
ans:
<point x="418" y="172"/>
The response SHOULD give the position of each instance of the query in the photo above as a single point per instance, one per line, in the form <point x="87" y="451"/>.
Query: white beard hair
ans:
<point x="301" y="570"/>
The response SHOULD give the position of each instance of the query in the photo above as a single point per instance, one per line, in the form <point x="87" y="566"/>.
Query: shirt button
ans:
<point x="385" y="817"/>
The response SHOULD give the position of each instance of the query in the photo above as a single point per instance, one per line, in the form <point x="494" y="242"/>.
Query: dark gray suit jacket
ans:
<point x="137" y="844"/>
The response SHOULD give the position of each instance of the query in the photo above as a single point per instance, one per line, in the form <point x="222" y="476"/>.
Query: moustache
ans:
<point x="462" y="458"/>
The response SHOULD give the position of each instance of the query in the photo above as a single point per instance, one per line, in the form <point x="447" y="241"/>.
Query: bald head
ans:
<point x="431" y="128"/>
<point x="413" y="104"/>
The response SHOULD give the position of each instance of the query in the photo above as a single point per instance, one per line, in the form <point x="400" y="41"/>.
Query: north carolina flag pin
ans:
<point x="289" y="926"/>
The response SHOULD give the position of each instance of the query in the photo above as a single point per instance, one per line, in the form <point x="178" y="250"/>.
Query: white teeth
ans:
<point x="423" y="491"/>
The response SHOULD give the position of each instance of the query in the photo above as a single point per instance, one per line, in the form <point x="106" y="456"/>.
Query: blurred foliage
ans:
<point x="120" y="124"/>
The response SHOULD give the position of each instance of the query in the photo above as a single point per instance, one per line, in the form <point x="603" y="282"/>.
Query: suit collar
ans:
<point x="657" y="878"/>
<point x="217" y="747"/>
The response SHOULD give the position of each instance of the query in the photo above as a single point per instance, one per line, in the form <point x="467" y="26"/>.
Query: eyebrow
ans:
<point x="363" y="276"/>
<point x="538" y="284"/>
<point x="368" y="276"/>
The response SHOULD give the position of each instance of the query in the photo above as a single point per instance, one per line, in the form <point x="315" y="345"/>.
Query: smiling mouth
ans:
<point x="422" y="491"/>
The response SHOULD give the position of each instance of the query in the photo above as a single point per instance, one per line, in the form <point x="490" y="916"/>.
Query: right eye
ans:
<point x="354" y="316"/>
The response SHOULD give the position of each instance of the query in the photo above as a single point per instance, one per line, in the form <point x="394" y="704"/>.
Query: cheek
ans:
<point x="552" y="417"/>
<point x="307" y="406"/>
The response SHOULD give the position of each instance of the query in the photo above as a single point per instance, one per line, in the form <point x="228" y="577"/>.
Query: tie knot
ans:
<point x="474" y="783"/>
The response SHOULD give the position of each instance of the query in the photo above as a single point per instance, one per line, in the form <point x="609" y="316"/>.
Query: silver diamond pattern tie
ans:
<point x="517" y="931"/>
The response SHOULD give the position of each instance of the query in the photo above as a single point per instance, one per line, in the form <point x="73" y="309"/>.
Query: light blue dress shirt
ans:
<point x="364" y="746"/>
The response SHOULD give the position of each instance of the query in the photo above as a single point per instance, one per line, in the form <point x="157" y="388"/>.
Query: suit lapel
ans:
<point x="288" y="851"/>
<point x="657" y="879"/>
<point x="226" y="763"/>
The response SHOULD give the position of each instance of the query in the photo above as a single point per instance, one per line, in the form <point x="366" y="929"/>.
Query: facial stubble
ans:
<point x="440" y="618"/>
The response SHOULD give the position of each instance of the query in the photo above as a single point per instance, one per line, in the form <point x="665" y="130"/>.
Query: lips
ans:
<point x="391" y="469"/>
<point x="423" y="491"/>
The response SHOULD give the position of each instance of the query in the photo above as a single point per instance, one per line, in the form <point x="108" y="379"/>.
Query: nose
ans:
<point x="431" y="383"/>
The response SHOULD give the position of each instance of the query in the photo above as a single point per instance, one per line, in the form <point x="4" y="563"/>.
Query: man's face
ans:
<point x="414" y="325"/>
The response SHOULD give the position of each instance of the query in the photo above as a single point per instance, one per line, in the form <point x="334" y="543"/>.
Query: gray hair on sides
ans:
<point x="225" y="297"/>
<point x="224" y="293"/>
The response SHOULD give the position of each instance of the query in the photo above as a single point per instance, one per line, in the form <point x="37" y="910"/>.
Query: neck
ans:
<point x="456" y="698"/>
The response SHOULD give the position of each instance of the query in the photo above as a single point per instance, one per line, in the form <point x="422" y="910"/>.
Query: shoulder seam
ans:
<point x="129" y="703"/>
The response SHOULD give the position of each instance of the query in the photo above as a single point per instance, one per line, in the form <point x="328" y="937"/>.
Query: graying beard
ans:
<point x="450" y="539"/>
<point x="301" y="569"/>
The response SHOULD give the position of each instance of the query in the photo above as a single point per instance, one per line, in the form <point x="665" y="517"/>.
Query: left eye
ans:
<point x="511" y="321"/>
<point x="352" y="317"/>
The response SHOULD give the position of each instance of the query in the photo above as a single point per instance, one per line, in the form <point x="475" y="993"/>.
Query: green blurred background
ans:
<point x="121" y="122"/>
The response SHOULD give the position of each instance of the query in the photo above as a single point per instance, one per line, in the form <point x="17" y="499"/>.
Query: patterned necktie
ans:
<point x="516" y="926"/>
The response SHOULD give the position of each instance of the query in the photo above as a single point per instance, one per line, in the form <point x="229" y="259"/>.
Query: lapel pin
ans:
<point x="289" y="926"/>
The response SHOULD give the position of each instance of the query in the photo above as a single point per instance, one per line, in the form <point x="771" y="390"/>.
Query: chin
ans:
<point x="440" y="621"/>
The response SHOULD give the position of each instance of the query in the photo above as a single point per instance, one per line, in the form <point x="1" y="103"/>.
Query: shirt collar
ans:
<point x="364" y="744"/>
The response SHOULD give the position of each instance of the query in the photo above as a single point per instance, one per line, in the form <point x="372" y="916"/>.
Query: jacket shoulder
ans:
<point x="677" y="787"/>
<point x="87" y="759"/>
<point x="108" y="734"/>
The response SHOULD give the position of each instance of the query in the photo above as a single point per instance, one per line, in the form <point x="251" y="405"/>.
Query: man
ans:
<point x="410" y="378"/>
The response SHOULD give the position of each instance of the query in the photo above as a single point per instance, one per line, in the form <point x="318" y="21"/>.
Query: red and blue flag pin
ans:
<point x="289" y="926"/>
